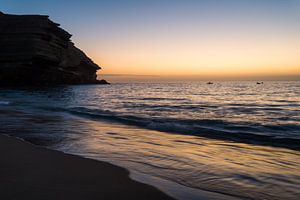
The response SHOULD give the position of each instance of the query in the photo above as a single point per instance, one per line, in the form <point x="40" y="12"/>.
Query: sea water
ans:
<point x="238" y="139"/>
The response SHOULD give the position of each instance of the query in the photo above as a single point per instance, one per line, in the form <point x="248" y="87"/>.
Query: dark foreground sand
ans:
<point x="31" y="172"/>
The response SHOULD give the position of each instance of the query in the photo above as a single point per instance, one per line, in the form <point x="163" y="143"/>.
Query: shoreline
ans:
<point x="32" y="172"/>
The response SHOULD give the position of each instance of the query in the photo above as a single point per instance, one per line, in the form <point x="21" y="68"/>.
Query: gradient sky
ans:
<point x="180" y="37"/>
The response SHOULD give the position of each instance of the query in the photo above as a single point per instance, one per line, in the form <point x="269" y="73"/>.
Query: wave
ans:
<point x="4" y="102"/>
<point x="252" y="133"/>
<point x="161" y="99"/>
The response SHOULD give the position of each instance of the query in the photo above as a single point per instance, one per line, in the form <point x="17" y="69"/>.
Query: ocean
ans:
<point x="239" y="140"/>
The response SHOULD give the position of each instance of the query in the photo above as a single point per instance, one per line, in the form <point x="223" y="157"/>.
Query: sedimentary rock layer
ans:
<point x="36" y="51"/>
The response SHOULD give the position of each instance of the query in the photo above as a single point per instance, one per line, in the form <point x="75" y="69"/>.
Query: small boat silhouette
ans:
<point x="258" y="83"/>
<point x="210" y="83"/>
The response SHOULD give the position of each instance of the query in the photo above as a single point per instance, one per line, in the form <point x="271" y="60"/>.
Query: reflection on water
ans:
<point x="236" y="169"/>
<point x="233" y="138"/>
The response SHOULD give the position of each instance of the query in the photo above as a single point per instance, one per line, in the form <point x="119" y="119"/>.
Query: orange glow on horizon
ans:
<point x="215" y="51"/>
<point x="199" y="57"/>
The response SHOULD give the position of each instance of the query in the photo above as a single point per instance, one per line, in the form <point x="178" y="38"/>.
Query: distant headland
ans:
<point x="36" y="51"/>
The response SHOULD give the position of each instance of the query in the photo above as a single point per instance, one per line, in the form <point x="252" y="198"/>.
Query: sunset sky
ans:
<point x="180" y="37"/>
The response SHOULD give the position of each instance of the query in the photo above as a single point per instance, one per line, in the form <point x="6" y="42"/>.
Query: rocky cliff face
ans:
<point x="36" y="51"/>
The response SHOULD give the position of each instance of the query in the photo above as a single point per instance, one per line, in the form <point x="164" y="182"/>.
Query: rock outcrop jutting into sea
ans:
<point x="36" y="51"/>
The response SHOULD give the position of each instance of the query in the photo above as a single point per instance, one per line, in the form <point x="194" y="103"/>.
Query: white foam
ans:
<point x="4" y="102"/>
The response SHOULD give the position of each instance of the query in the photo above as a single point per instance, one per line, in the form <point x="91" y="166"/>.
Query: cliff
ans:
<point x="36" y="51"/>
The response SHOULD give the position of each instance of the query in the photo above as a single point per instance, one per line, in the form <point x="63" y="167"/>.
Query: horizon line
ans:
<point x="135" y="77"/>
<point x="199" y="75"/>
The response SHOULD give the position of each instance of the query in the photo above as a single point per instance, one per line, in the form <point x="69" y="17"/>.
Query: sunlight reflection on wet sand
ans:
<point x="236" y="169"/>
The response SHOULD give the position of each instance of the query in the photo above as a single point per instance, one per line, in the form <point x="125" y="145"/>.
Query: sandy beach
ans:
<point x="31" y="172"/>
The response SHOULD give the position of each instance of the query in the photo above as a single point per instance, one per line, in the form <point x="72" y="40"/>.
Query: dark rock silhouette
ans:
<point x="36" y="51"/>
<point x="103" y="82"/>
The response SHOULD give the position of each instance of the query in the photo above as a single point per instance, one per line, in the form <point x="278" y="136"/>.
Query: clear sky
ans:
<point x="180" y="37"/>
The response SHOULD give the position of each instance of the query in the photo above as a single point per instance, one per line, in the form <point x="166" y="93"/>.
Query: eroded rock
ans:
<point x="36" y="51"/>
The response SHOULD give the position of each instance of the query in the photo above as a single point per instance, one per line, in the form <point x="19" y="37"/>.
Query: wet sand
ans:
<point x="35" y="173"/>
